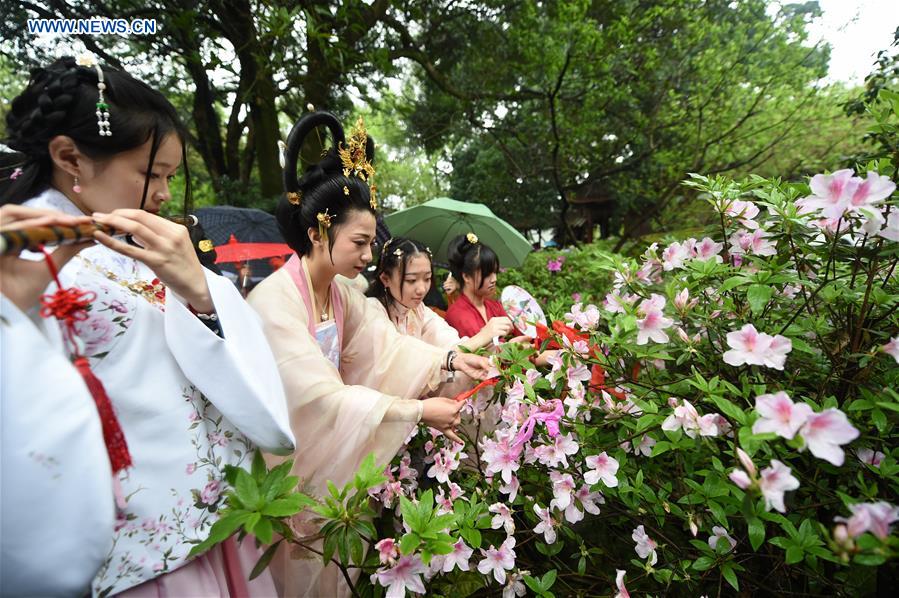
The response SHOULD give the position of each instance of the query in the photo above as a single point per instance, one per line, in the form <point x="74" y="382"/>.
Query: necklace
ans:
<point x="325" y="306"/>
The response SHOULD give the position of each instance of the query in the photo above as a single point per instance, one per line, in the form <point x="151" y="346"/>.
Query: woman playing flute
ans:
<point x="181" y="356"/>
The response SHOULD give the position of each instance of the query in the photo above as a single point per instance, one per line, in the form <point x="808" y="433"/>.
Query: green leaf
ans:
<point x="758" y="296"/>
<point x="727" y="570"/>
<point x="409" y="543"/>
<point x="263" y="530"/>
<point x="285" y="507"/>
<point x="471" y="536"/>
<point x="329" y="547"/>
<point x="756" y="532"/>
<point x="357" y="552"/>
<point x="549" y="579"/>
<point x="221" y="531"/>
<point x="250" y="524"/>
<point x="795" y="554"/>
<point x="703" y="563"/>
<point x="729" y="408"/>
<point x="264" y="560"/>
<point x="258" y="468"/>
<point x="247" y="490"/>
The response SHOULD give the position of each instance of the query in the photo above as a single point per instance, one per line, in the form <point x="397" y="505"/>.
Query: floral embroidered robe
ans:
<point x="188" y="401"/>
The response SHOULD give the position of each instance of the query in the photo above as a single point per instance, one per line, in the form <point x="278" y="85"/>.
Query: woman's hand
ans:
<point x="24" y="281"/>
<point x="498" y="326"/>
<point x="542" y="360"/>
<point x="165" y="247"/>
<point x="450" y="285"/>
<point x="442" y="414"/>
<point x="474" y="366"/>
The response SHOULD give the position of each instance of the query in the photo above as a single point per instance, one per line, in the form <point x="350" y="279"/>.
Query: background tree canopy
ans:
<point x="565" y="114"/>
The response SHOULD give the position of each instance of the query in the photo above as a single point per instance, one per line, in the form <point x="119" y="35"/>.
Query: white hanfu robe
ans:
<point x="189" y="402"/>
<point x="368" y="403"/>
<point x="56" y="498"/>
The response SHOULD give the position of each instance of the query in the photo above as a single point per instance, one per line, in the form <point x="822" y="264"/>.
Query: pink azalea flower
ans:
<point x="718" y="534"/>
<point x="619" y="583"/>
<point x="547" y="525"/>
<point x="873" y="517"/>
<point x="578" y="374"/>
<point x="502" y="518"/>
<point x="752" y="347"/>
<point x="586" y="319"/>
<point x="587" y="500"/>
<point x="500" y="458"/>
<point x="532" y="376"/>
<point x="516" y="391"/>
<point x="602" y="467"/>
<point x="575" y="296"/>
<point x="891" y="231"/>
<point x="498" y="560"/>
<point x="556" y="454"/>
<point x="406" y="574"/>
<point x="615" y="303"/>
<point x="515" y="585"/>
<point x="870" y="456"/>
<point x="687" y="418"/>
<point x="458" y="557"/>
<point x="824" y="433"/>
<point x="892" y="348"/>
<point x="831" y="193"/>
<point x="555" y="265"/>
<point x="871" y="190"/>
<point x="740" y="478"/>
<point x="774" y="482"/>
<point x="756" y="242"/>
<point x="744" y="211"/>
<point x="644" y="447"/>
<point x="511" y="488"/>
<point x="646" y="546"/>
<point x="563" y="488"/>
<point x="654" y="322"/>
<point x="708" y="249"/>
<point x="780" y="415"/>
<point x="675" y="255"/>
<point x="387" y="551"/>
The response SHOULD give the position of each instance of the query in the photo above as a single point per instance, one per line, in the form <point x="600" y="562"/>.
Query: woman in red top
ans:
<point x="474" y="266"/>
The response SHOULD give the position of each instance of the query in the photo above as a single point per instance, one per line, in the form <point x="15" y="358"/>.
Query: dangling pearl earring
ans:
<point x="76" y="187"/>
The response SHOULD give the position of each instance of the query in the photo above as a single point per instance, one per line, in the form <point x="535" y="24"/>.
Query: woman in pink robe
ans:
<point x="351" y="380"/>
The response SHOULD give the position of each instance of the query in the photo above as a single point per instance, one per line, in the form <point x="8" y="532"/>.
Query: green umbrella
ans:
<point x="435" y="223"/>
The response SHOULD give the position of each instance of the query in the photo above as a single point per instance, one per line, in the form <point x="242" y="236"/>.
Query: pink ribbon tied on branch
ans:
<point x="549" y="413"/>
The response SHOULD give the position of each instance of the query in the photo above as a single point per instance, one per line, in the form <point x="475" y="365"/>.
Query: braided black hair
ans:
<point x="322" y="187"/>
<point x="389" y="262"/>
<point x="61" y="99"/>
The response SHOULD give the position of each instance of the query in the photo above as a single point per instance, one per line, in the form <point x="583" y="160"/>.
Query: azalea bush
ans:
<point x="724" y="419"/>
<point x="721" y="422"/>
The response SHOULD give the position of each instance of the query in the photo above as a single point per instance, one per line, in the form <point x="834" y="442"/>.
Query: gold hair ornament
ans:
<point x="294" y="197"/>
<point x="324" y="223"/>
<point x="354" y="160"/>
<point x="472" y="238"/>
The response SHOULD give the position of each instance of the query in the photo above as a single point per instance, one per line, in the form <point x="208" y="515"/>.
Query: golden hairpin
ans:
<point x="324" y="223"/>
<point x="472" y="238"/>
